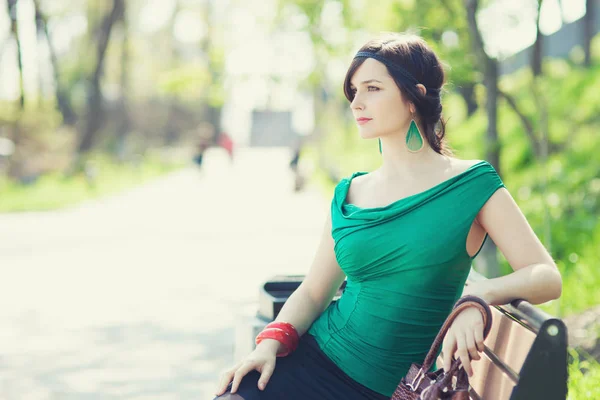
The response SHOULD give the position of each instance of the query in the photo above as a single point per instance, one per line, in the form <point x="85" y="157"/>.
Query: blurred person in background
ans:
<point x="204" y="139"/>
<point x="299" y="178"/>
<point x="226" y="142"/>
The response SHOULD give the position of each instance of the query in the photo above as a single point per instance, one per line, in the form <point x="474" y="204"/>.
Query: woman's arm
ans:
<point x="536" y="277"/>
<point x="316" y="291"/>
<point x="301" y="309"/>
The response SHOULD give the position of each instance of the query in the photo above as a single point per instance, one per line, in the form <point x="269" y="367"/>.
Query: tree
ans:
<point x="538" y="46"/>
<point x="215" y="66"/>
<point x="588" y="30"/>
<point x="447" y="31"/>
<point x="95" y="110"/>
<point x="14" y="31"/>
<point x="490" y="266"/>
<point x="312" y="10"/>
<point x="62" y="98"/>
<point x="124" y="122"/>
<point x="14" y="166"/>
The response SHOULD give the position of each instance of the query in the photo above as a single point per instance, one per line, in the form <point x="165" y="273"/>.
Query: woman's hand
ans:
<point x="465" y="339"/>
<point x="262" y="359"/>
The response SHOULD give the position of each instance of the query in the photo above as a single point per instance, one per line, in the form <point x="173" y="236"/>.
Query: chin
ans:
<point x="365" y="134"/>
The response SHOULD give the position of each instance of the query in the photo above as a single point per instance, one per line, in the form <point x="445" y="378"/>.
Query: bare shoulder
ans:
<point x="360" y="184"/>
<point x="458" y="166"/>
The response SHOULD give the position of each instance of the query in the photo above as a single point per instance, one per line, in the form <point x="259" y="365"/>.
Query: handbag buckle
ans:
<point x="420" y="375"/>
<point x="427" y="389"/>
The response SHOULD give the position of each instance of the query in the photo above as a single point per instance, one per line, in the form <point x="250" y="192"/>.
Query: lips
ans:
<point x="363" y="119"/>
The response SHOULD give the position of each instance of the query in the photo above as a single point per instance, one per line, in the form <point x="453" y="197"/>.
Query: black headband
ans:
<point x="405" y="74"/>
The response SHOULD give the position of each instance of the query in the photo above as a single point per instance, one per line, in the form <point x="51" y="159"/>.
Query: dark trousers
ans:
<point x="308" y="374"/>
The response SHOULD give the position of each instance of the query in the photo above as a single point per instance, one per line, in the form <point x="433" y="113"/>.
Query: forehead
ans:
<point x="370" y="69"/>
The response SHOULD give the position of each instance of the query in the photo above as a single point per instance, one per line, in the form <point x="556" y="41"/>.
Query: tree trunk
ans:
<point x="488" y="260"/>
<point x="491" y="84"/>
<point x="95" y="109"/>
<point x="14" y="29"/>
<point x="537" y="54"/>
<point x="527" y="123"/>
<point x="467" y="91"/>
<point x="171" y="127"/>
<point x="213" y="111"/>
<point x="588" y="30"/>
<point x="62" y="98"/>
<point x="15" y="164"/>
<point x="124" y="119"/>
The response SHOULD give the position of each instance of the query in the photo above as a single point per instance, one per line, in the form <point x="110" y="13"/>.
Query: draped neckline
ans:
<point x="407" y="201"/>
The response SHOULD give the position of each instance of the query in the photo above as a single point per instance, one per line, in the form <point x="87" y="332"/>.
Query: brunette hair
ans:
<point x="411" y="53"/>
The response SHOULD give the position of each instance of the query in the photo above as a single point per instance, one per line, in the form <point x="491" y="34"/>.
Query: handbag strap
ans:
<point x="461" y="305"/>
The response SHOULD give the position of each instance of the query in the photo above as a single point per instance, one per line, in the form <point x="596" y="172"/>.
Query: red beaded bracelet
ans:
<point x="280" y="336"/>
<point x="287" y="328"/>
<point x="283" y="332"/>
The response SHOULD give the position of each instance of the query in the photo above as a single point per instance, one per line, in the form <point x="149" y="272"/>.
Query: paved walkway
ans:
<point x="135" y="296"/>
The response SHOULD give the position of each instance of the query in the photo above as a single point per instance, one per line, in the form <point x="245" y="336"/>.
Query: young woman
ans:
<point x="404" y="236"/>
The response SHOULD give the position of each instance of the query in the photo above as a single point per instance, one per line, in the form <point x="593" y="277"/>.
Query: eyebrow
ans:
<point x="369" y="81"/>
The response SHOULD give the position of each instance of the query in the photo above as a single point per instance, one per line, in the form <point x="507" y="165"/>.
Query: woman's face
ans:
<point x="378" y="106"/>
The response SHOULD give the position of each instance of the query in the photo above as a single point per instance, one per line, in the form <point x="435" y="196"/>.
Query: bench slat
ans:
<point x="509" y="340"/>
<point x="507" y="346"/>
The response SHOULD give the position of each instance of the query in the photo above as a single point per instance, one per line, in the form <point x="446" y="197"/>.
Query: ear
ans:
<point x="422" y="89"/>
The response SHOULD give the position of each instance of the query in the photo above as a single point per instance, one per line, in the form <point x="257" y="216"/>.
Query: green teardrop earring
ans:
<point x="414" y="140"/>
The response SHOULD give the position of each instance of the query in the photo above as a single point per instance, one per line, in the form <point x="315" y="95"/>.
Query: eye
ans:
<point x="374" y="88"/>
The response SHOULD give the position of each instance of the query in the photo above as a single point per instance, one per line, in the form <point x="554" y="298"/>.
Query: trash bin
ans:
<point x="272" y="296"/>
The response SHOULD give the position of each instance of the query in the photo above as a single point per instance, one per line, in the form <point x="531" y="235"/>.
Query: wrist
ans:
<point x="270" y="345"/>
<point x="487" y="291"/>
<point x="282" y="332"/>
<point x="483" y="290"/>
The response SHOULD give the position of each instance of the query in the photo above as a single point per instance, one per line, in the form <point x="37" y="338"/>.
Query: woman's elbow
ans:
<point x="556" y="284"/>
<point x="553" y="284"/>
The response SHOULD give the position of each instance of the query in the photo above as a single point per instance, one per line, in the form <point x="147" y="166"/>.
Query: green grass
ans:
<point x="584" y="376"/>
<point x="56" y="190"/>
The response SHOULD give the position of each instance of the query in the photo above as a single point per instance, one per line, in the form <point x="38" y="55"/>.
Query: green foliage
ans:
<point x="584" y="375"/>
<point x="53" y="191"/>
<point x="188" y="81"/>
<point x="566" y="189"/>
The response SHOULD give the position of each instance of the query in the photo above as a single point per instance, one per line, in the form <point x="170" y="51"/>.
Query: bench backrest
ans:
<point x="525" y="355"/>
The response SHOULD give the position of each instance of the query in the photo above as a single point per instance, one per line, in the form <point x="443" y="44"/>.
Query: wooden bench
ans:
<point x="525" y="356"/>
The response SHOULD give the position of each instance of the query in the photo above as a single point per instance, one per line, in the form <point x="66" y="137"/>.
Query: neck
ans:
<point x="398" y="161"/>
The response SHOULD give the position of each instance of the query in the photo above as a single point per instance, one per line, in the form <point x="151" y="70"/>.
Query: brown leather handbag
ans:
<point x="420" y="384"/>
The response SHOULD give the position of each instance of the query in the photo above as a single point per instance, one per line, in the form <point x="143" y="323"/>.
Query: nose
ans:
<point x="357" y="103"/>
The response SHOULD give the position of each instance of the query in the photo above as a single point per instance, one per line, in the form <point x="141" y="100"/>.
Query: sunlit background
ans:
<point x="265" y="60"/>
<point x="161" y="159"/>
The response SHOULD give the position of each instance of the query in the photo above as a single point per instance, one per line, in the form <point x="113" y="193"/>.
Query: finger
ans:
<point x="448" y="349"/>
<point x="479" y="339"/>
<point x="226" y="379"/>
<point x="463" y="354"/>
<point x="222" y="386"/>
<point x="470" y="341"/>
<point x="265" y="375"/>
<point x="239" y="374"/>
